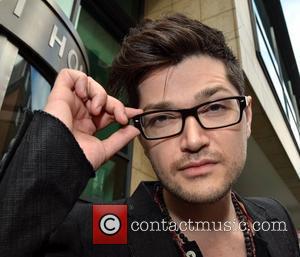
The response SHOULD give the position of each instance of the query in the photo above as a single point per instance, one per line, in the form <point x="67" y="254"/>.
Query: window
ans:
<point x="271" y="57"/>
<point x="66" y="6"/>
<point x="27" y="89"/>
<point x="102" y="42"/>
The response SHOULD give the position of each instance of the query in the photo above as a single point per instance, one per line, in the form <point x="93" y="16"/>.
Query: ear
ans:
<point x="248" y="112"/>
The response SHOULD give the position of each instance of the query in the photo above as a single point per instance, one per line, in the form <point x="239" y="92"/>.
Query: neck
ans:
<point x="180" y="210"/>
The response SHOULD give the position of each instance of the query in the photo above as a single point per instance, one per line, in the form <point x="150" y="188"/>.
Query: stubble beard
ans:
<point x="197" y="196"/>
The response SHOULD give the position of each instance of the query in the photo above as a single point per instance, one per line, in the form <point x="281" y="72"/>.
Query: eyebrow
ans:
<point x="159" y="106"/>
<point x="208" y="92"/>
<point x="200" y="96"/>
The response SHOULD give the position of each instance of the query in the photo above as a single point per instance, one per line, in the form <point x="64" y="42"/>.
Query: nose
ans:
<point x="193" y="137"/>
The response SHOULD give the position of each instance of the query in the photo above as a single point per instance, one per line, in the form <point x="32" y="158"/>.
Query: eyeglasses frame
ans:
<point x="190" y="112"/>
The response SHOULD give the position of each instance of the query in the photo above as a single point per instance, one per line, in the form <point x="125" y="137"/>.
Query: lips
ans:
<point x="198" y="168"/>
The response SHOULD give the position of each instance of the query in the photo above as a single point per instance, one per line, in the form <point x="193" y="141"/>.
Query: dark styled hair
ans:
<point x="163" y="43"/>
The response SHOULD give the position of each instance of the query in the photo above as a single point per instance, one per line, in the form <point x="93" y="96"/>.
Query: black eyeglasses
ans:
<point x="215" y="114"/>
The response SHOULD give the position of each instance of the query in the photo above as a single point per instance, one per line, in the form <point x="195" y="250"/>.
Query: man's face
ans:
<point x="199" y="165"/>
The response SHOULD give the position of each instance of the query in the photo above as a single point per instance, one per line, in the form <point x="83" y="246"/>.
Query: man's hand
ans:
<point x="84" y="107"/>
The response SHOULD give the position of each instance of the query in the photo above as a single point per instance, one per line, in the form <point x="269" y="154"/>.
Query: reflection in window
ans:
<point x="110" y="182"/>
<point x="270" y="55"/>
<point x="66" y="6"/>
<point x="27" y="89"/>
<point x="100" y="45"/>
<point x="131" y="7"/>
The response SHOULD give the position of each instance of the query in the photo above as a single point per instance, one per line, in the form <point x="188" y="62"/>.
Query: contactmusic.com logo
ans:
<point x="110" y="224"/>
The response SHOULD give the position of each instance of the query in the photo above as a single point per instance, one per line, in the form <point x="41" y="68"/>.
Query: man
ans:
<point x="194" y="121"/>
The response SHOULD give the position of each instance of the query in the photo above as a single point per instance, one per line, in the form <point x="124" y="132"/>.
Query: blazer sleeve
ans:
<point x="41" y="179"/>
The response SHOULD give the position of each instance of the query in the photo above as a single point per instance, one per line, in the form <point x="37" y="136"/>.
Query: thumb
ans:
<point x="118" y="140"/>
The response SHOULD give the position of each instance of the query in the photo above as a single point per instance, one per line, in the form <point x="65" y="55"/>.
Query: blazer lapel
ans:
<point x="142" y="208"/>
<point x="272" y="241"/>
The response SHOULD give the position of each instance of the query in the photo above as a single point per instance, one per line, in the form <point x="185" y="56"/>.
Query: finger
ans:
<point x="118" y="140"/>
<point x="97" y="94"/>
<point x="116" y="108"/>
<point x="85" y="87"/>
<point x="80" y="88"/>
<point x="131" y="112"/>
<point x="69" y="78"/>
<point x="69" y="82"/>
<point x="103" y="120"/>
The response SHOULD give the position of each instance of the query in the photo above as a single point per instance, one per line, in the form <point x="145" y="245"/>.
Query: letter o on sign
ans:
<point x="73" y="60"/>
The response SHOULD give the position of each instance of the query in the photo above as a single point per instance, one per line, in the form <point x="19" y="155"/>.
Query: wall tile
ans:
<point x="210" y="8"/>
<point x="224" y="22"/>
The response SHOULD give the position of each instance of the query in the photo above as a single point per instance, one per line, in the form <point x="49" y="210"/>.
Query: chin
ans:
<point x="209" y="198"/>
<point x="204" y="189"/>
<point x="201" y="196"/>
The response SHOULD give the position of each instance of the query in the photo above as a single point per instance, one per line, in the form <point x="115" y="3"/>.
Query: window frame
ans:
<point x="288" y="53"/>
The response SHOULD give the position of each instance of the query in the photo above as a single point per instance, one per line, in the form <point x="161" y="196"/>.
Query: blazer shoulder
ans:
<point x="84" y="208"/>
<point x="272" y="207"/>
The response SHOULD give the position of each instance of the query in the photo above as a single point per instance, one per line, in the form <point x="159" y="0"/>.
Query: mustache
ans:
<point x="190" y="157"/>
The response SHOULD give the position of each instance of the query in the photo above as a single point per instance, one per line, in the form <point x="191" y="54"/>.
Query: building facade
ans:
<point x="38" y="38"/>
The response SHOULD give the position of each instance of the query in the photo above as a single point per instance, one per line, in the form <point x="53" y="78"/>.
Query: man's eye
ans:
<point x="160" y="120"/>
<point x="214" y="108"/>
